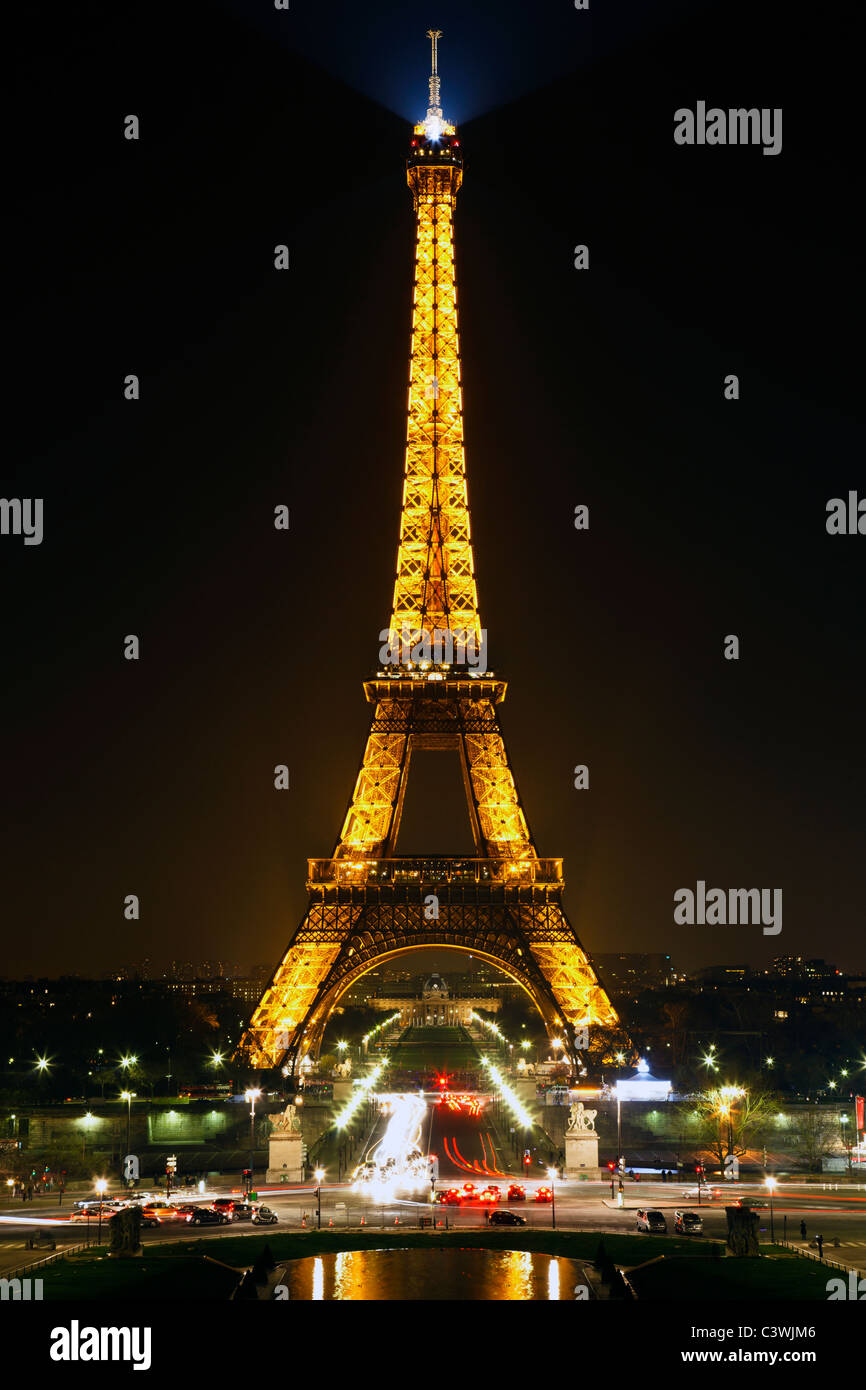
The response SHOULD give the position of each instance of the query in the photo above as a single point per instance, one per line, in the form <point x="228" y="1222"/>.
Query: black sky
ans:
<point x="605" y="387"/>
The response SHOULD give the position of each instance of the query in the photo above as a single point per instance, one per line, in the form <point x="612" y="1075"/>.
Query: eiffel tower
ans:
<point x="433" y="691"/>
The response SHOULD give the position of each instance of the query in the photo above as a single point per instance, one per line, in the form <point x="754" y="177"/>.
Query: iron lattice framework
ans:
<point x="365" y="904"/>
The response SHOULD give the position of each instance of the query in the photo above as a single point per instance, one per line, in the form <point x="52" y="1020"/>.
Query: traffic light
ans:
<point x="611" y="1166"/>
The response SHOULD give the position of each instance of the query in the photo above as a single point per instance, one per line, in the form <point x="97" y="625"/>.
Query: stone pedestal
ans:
<point x="581" y="1153"/>
<point x="284" y="1158"/>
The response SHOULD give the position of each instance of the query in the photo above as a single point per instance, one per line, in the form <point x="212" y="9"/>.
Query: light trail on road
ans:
<point x="397" y="1163"/>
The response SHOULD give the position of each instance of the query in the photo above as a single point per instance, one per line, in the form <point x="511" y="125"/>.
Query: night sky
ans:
<point x="605" y="387"/>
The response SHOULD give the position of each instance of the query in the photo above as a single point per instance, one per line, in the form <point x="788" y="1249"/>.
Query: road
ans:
<point x="461" y="1136"/>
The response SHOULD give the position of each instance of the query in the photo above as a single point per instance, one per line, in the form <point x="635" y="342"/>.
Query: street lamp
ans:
<point x="101" y="1185"/>
<point x="320" y="1173"/>
<point x="771" y="1187"/>
<point x="128" y="1096"/>
<point x="252" y="1096"/>
<point x="551" y="1173"/>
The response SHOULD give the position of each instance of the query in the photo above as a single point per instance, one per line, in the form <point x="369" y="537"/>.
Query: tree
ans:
<point x="733" y="1119"/>
<point x="817" y="1134"/>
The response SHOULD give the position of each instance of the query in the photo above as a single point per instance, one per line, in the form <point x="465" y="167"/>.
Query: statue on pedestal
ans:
<point x="287" y="1123"/>
<point x="581" y="1120"/>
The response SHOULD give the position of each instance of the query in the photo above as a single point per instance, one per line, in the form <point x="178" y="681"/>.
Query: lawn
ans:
<point x="758" y="1279"/>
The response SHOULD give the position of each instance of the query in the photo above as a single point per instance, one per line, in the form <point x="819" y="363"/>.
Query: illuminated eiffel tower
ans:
<point x="433" y="691"/>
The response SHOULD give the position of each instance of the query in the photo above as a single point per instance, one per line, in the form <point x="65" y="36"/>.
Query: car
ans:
<point x="750" y="1202"/>
<point x="42" y="1240"/>
<point x="470" y="1190"/>
<point x="165" y="1212"/>
<point x="651" y="1219"/>
<point x="506" y="1218"/>
<point x="516" y="1194"/>
<point x="207" y="1216"/>
<point x="711" y="1193"/>
<point x="223" y="1204"/>
<point x="688" y="1223"/>
<point x="263" y="1216"/>
<point x="491" y="1194"/>
<point x="93" y="1204"/>
<point x="242" y="1211"/>
<point x="148" y="1222"/>
<point x="453" y="1197"/>
<point x="544" y="1194"/>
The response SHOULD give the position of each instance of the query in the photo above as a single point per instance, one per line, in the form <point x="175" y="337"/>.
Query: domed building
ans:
<point x="436" y="1006"/>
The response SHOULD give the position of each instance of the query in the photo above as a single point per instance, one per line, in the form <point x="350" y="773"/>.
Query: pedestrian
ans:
<point x="802" y="1230"/>
<point x="820" y="1240"/>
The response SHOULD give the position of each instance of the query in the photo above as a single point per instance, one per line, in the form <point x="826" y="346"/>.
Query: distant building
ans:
<point x="631" y="972"/>
<point x="802" y="968"/>
<point x="436" y="1005"/>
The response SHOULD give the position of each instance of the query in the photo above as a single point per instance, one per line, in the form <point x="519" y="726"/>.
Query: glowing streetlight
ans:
<point x="100" y="1186"/>
<point x="252" y="1096"/>
<point x="320" y="1173"/>
<point x="128" y="1061"/>
<point x="128" y="1096"/>
<point x="771" y="1187"/>
<point x="42" y="1064"/>
<point x="217" y="1059"/>
<point x="551" y="1174"/>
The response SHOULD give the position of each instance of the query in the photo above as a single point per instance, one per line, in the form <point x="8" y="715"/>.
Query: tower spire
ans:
<point x="434" y="122"/>
<point x="434" y="35"/>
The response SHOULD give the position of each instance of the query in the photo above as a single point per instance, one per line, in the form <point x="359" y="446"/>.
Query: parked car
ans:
<point x="42" y="1240"/>
<point x="652" y="1220"/>
<point x="207" y="1216"/>
<point x="506" y="1218"/>
<point x="263" y="1216"/>
<point x="688" y="1223"/>
<point x="544" y="1194"/>
<point x="516" y="1193"/>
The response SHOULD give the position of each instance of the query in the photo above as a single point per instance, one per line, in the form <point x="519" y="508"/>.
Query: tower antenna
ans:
<point x="434" y="35"/>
